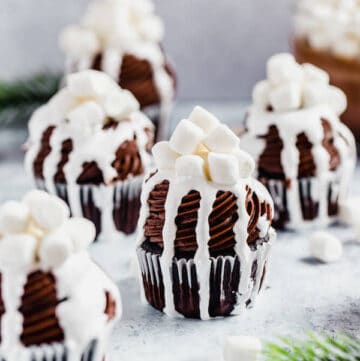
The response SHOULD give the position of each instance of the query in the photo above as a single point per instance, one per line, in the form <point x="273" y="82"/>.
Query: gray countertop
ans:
<point x="300" y="294"/>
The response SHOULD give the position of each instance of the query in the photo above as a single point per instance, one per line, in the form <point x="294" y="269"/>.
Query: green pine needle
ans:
<point x="315" y="348"/>
<point x="20" y="98"/>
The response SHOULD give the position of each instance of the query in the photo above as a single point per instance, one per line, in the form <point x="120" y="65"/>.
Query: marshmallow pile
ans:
<point x="203" y="147"/>
<point x="90" y="100"/>
<point x="291" y="86"/>
<point x="39" y="229"/>
<point x="112" y="24"/>
<point x="332" y="25"/>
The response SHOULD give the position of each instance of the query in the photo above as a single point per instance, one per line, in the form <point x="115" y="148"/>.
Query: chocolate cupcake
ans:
<point x="205" y="225"/>
<point x="55" y="302"/>
<point x="123" y="39"/>
<point x="305" y="155"/>
<point x="90" y="146"/>
<point x="327" y="34"/>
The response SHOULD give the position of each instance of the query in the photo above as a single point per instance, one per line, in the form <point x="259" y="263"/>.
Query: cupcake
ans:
<point x="55" y="302"/>
<point x="305" y="155"/>
<point x="90" y="146"/>
<point x="123" y="39"/>
<point x="327" y="34"/>
<point x="205" y="224"/>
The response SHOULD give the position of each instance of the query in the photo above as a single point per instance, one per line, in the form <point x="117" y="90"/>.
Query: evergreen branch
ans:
<point x="315" y="348"/>
<point x="20" y="98"/>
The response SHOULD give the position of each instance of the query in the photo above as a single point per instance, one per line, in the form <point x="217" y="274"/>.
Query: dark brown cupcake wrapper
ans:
<point x="309" y="202"/>
<point x="126" y="203"/>
<point x="56" y="352"/>
<point x="225" y="278"/>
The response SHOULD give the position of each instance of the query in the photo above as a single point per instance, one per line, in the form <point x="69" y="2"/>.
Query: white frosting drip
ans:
<point x="77" y="278"/>
<point x="332" y="25"/>
<point x="290" y="125"/>
<point x="121" y="27"/>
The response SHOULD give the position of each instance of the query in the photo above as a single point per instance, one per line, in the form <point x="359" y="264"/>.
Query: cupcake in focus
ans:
<point x="90" y="146"/>
<point x="205" y="224"/>
<point x="55" y="302"/>
<point x="327" y="34"/>
<point x="123" y="39"/>
<point x="305" y="155"/>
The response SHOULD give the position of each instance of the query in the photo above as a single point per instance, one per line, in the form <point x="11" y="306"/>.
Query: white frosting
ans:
<point x="79" y="112"/>
<point x="332" y="25"/>
<point x="308" y="120"/>
<point x="197" y="176"/>
<point x="82" y="316"/>
<point x="116" y="28"/>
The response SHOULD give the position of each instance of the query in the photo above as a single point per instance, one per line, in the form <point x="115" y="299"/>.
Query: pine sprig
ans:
<point x="20" y="98"/>
<point x="315" y="348"/>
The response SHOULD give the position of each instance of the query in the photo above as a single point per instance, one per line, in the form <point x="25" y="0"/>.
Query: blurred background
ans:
<point x="219" y="47"/>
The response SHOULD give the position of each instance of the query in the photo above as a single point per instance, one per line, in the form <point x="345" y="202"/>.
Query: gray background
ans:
<point x="219" y="47"/>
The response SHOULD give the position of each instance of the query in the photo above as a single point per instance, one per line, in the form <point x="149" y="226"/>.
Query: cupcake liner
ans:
<point x="56" y="352"/>
<point x="226" y="276"/>
<point x="308" y="195"/>
<point x="125" y="210"/>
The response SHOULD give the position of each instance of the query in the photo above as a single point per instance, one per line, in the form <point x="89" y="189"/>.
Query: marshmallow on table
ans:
<point x="186" y="137"/>
<point x="223" y="168"/>
<point x="49" y="212"/>
<point x="87" y="117"/>
<point x="325" y="247"/>
<point x="164" y="156"/>
<point x="261" y="94"/>
<point x="222" y="140"/>
<point x="314" y="74"/>
<point x="282" y="68"/>
<point x="204" y="119"/>
<point x="81" y="231"/>
<point x="190" y="165"/>
<point x="119" y="104"/>
<point x="14" y="217"/>
<point x="286" y="97"/>
<point x="17" y="250"/>
<point x="242" y="348"/>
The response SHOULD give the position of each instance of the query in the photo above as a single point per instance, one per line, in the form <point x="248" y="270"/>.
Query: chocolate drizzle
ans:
<point x="38" y="308"/>
<point x="2" y="306"/>
<point x="110" y="308"/>
<point x="66" y="149"/>
<point x="45" y="149"/>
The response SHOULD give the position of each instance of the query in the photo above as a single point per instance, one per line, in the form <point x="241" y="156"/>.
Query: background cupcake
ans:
<point x="122" y="38"/>
<point x="204" y="230"/>
<point x="327" y="34"/>
<point x="305" y="155"/>
<point x="55" y="302"/>
<point x="89" y="145"/>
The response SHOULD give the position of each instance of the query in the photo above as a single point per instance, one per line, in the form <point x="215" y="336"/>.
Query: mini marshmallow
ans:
<point x="90" y="83"/>
<point x="17" y="250"/>
<point x="320" y="39"/>
<point x="190" y="166"/>
<point x="222" y="140"/>
<point x="120" y="104"/>
<point x="49" y="212"/>
<point x="55" y="249"/>
<point x="325" y="247"/>
<point x="261" y="94"/>
<point x="14" y="217"/>
<point x="246" y="163"/>
<point x="314" y="74"/>
<point x="81" y="231"/>
<point x="152" y="29"/>
<point x="348" y="211"/>
<point x="242" y="348"/>
<point x="78" y="41"/>
<point x="87" y="117"/>
<point x="337" y="100"/>
<point x="223" y="168"/>
<point x="286" y="97"/>
<point x="282" y="68"/>
<point x="346" y="47"/>
<point x="315" y="94"/>
<point x="186" y="137"/>
<point x="204" y="119"/>
<point x="164" y="156"/>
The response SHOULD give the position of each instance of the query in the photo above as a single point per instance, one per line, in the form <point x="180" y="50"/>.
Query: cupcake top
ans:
<point x="51" y="290"/>
<point x="91" y="132"/>
<point x="122" y="38"/>
<point x="293" y="127"/>
<point x="331" y="25"/>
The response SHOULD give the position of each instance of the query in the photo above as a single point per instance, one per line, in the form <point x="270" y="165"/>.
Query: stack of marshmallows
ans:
<point x="291" y="86"/>
<point x="202" y="147"/>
